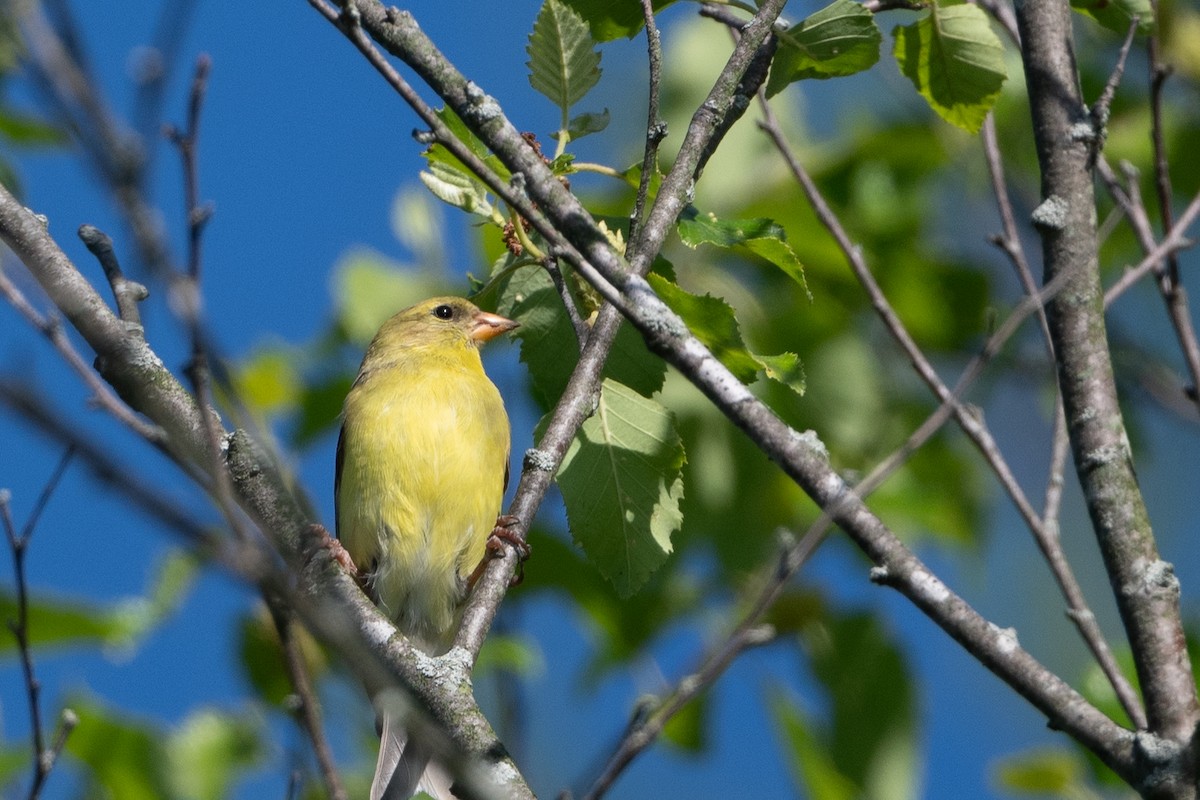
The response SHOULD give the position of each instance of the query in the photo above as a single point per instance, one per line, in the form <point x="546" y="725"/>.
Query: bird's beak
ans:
<point x="487" y="326"/>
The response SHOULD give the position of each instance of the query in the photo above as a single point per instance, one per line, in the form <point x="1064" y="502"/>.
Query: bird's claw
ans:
<point x="501" y="535"/>
<point x="338" y="553"/>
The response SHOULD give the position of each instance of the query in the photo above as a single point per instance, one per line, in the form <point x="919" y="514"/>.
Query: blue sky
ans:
<point x="303" y="149"/>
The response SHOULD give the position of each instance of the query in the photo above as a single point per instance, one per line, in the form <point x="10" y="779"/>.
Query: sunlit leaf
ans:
<point x="612" y="19"/>
<point x="124" y="757"/>
<point x="1118" y="15"/>
<point x="1042" y="772"/>
<point x="840" y="39"/>
<point x="563" y="61"/>
<point x="955" y="60"/>
<point x="712" y="321"/>
<point x="457" y="188"/>
<point x="268" y="381"/>
<point x="811" y="763"/>
<point x="369" y="288"/>
<point x="688" y="729"/>
<point x="210" y="751"/>
<point x="762" y="237"/>
<point x="621" y="483"/>
<point x="513" y="654"/>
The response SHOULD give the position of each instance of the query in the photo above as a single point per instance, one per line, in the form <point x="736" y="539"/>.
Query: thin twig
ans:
<point x="1172" y="242"/>
<point x="971" y="423"/>
<point x="1169" y="284"/>
<point x="127" y="294"/>
<point x="648" y="723"/>
<point x="1100" y="108"/>
<point x="582" y="331"/>
<point x="1010" y="241"/>
<point x="1046" y="532"/>
<point x="649" y="719"/>
<point x="102" y="394"/>
<point x="187" y="141"/>
<point x="43" y="759"/>
<point x="118" y="155"/>
<point x="308" y="708"/>
<point x="656" y="128"/>
<point x="186" y="291"/>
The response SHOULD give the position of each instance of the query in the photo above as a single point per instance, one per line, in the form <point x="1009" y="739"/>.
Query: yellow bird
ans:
<point x="422" y="465"/>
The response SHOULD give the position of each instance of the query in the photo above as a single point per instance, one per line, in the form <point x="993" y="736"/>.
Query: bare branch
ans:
<point x="18" y="544"/>
<point x="1046" y="533"/>
<point x="1146" y="589"/>
<point x="656" y="128"/>
<point x="102" y="393"/>
<point x="1173" y="242"/>
<point x="308" y="707"/>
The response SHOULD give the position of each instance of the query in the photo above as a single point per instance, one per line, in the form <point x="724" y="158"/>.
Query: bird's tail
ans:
<point x="405" y="768"/>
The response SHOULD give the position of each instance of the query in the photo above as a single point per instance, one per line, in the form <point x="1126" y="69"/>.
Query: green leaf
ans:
<point x="712" y="321"/>
<point x="369" y="288"/>
<point x="29" y="131"/>
<point x="320" y="404"/>
<point x="458" y="188"/>
<point x="955" y="60"/>
<point x="438" y="154"/>
<point x="1117" y="15"/>
<point x="812" y="764"/>
<point x="764" y="238"/>
<point x="269" y="380"/>
<point x="58" y="622"/>
<point x="1041" y="772"/>
<point x="586" y="123"/>
<point x="550" y="348"/>
<point x="687" y="730"/>
<point x="517" y="655"/>
<point x="120" y="626"/>
<point x="548" y="344"/>
<point x="124" y="757"/>
<point x="784" y="368"/>
<point x="612" y="19"/>
<point x="263" y="661"/>
<point x="563" y="61"/>
<point x="210" y="751"/>
<point x="13" y="761"/>
<point x="840" y="39"/>
<point x="873" y="738"/>
<point x="621" y="481"/>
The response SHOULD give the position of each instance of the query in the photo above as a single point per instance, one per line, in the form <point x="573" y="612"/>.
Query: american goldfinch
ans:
<point x="422" y="464"/>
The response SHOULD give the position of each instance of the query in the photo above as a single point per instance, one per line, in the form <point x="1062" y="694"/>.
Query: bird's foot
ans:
<point x="323" y="541"/>
<point x="501" y="535"/>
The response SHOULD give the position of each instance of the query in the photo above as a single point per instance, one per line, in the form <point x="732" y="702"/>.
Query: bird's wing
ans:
<point x="337" y="480"/>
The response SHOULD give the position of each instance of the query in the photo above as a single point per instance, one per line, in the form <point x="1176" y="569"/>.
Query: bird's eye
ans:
<point x="444" y="312"/>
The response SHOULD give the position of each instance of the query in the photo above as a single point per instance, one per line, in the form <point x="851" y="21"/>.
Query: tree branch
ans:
<point x="1146" y="588"/>
<point x="800" y="456"/>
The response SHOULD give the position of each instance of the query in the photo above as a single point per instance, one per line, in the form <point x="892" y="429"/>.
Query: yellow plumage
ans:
<point x="422" y="464"/>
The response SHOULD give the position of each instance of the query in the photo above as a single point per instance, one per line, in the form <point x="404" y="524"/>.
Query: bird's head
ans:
<point x="440" y="322"/>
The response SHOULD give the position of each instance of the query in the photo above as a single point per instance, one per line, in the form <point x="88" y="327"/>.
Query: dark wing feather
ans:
<point x="337" y="480"/>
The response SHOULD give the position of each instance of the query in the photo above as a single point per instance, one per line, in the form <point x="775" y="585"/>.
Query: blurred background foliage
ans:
<point x="843" y="702"/>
